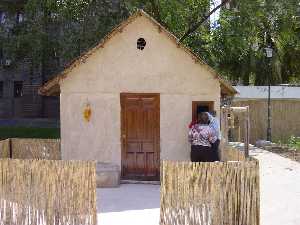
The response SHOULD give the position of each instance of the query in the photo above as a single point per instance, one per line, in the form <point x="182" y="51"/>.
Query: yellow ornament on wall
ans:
<point x="87" y="113"/>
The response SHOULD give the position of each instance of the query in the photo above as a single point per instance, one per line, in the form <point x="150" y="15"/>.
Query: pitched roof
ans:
<point x="261" y="92"/>
<point x="52" y="86"/>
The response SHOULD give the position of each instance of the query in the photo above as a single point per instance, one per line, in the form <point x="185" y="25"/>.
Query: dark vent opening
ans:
<point x="141" y="43"/>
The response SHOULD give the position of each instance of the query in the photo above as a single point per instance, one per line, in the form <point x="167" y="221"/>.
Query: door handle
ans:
<point x="123" y="136"/>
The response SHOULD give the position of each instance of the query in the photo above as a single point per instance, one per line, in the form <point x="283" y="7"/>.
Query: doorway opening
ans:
<point x="140" y="135"/>
<point x="201" y="106"/>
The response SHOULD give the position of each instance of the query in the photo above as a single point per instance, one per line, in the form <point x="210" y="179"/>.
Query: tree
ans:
<point x="57" y="31"/>
<point x="236" y="47"/>
<point x="60" y="30"/>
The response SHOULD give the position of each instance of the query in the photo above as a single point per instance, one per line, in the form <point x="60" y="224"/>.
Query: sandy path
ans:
<point x="136" y="204"/>
<point x="279" y="188"/>
<point x="131" y="204"/>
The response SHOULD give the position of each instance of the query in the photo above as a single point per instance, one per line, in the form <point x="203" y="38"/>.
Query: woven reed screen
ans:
<point x="4" y="148"/>
<point x="210" y="193"/>
<point x="232" y="154"/>
<point x="27" y="148"/>
<point x="285" y="120"/>
<point x="42" y="192"/>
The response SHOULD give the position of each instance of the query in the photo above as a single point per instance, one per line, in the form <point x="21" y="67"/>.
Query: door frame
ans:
<point x="123" y="95"/>
<point x="209" y="104"/>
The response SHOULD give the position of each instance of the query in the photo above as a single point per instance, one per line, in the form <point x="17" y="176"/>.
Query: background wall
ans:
<point x="285" y="119"/>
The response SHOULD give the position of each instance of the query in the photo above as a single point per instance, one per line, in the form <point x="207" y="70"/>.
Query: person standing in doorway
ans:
<point x="202" y="136"/>
<point x="215" y="125"/>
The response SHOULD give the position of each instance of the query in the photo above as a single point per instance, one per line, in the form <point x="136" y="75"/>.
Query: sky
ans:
<point x="214" y="17"/>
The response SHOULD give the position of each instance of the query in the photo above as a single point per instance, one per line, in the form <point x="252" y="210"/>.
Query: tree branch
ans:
<point x="199" y="23"/>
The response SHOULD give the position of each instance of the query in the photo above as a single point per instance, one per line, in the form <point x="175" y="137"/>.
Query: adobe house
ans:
<point x="129" y="100"/>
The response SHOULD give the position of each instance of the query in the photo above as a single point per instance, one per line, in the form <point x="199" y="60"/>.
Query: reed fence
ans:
<point x="5" y="148"/>
<point x="27" y="148"/>
<point x="285" y="120"/>
<point x="220" y="193"/>
<point x="232" y="154"/>
<point x="43" y="192"/>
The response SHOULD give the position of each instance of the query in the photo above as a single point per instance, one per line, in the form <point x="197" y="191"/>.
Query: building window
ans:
<point x="19" y="17"/>
<point x="18" y="89"/>
<point x="141" y="43"/>
<point x="2" y="17"/>
<point x="200" y="106"/>
<point x="1" y="89"/>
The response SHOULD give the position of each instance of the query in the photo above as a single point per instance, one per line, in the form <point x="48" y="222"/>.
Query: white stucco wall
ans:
<point x="119" y="67"/>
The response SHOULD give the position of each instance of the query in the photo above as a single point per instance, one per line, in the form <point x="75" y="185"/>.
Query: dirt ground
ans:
<point x="279" y="189"/>
<point x="291" y="154"/>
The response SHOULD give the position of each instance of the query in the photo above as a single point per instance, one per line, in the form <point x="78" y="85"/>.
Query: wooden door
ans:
<point x="140" y="134"/>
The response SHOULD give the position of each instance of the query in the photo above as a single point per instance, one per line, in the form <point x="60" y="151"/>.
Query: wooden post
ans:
<point x="10" y="148"/>
<point x="246" y="143"/>
<point x="224" y="133"/>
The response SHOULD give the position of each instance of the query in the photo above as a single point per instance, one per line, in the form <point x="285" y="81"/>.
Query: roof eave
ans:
<point x="50" y="88"/>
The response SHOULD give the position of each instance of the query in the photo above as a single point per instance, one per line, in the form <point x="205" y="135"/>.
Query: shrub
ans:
<point x="294" y="142"/>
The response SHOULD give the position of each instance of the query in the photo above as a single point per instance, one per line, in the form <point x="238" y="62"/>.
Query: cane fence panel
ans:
<point x="47" y="192"/>
<point x="27" y="148"/>
<point x="5" y="148"/>
<point x="224" y="193"/>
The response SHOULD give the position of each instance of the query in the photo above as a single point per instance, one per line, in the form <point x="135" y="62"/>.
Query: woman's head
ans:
<point x="203" y="118"/>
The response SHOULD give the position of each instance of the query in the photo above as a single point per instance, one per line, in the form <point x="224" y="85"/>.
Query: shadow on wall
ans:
<point x="128" y="197"/>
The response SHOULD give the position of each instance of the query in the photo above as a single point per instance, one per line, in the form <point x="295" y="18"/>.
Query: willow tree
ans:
<point x="236" y="46"/>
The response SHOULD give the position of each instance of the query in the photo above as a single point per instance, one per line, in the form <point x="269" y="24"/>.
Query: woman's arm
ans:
<point x="190" y="135"/>
<point x="212" y="136"/>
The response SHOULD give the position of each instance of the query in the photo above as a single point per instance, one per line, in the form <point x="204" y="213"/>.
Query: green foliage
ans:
<point x="229" y="47"/>
<point x="29" y="132"/>
<point x="57" y="31"/>
<point x="294" y="142"/>
<point x="259" y="23"/>
<point x="60" y="30"/>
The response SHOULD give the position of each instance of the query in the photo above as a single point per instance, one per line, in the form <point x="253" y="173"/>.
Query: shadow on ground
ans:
<point x="128" y="197"/>
<point x="130" y="204"/>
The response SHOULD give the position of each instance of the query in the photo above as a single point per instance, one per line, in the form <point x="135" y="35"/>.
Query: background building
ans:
<point x="19" y="80"/>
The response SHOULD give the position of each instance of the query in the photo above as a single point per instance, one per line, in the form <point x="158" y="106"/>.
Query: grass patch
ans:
<point x="29" y="132"/>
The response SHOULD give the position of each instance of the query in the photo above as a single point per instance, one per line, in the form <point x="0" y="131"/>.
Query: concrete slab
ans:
<point x="130" y="204"/>
<point x="279" y="188"/>
<point x="107" y="175"/>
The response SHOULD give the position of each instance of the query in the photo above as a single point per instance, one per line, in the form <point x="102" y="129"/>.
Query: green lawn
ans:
<point x="29" y="132"/>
